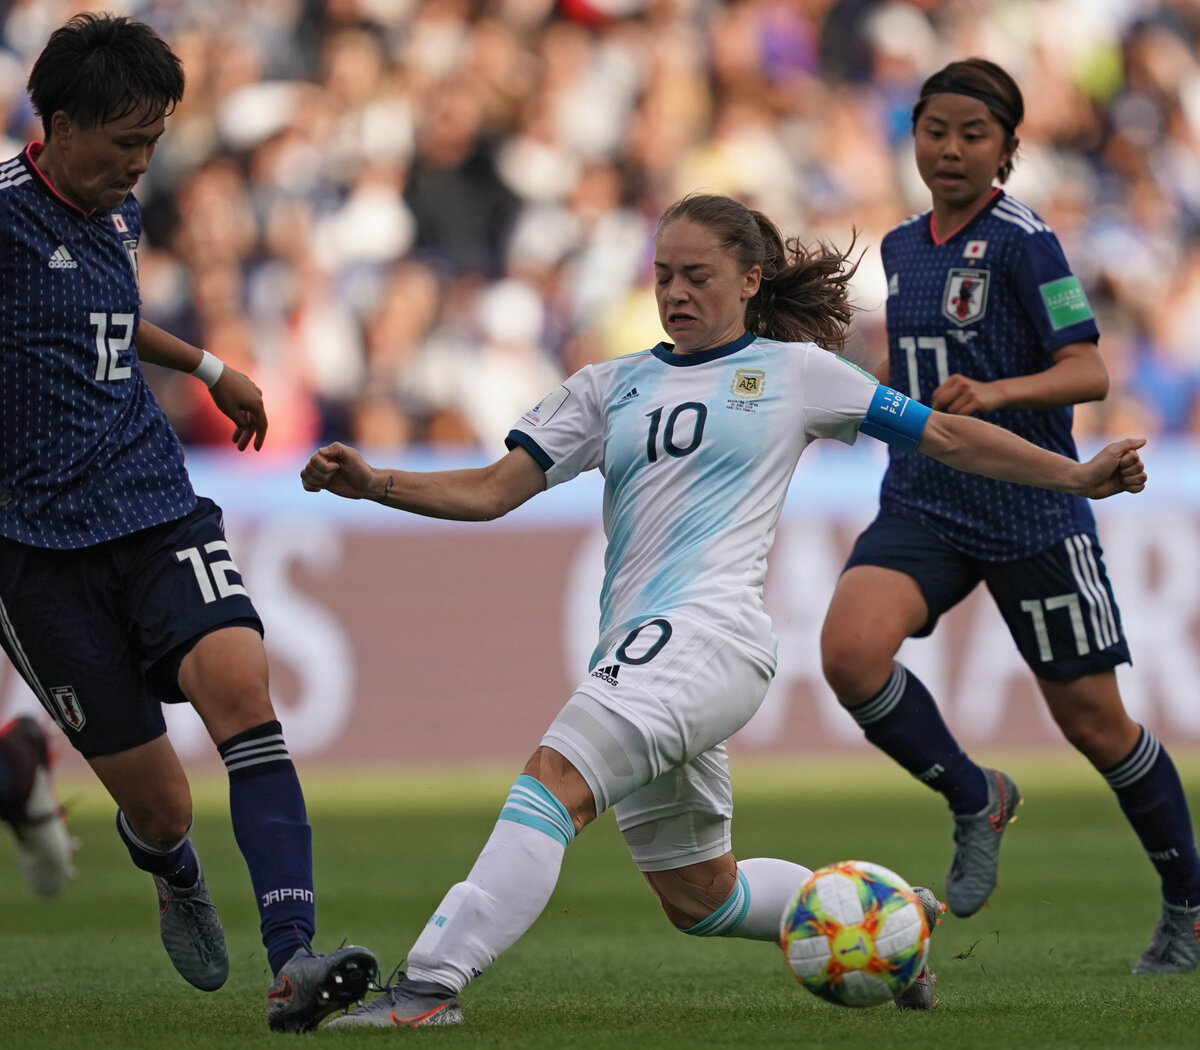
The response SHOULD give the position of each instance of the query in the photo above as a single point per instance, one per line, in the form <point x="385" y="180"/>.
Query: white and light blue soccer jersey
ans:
<point x="697" y="451"/>
<point x="994" y="300"/>
<point x="86" y="453"/>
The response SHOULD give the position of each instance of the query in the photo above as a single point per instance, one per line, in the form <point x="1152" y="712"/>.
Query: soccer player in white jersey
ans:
<point x="117" y="589"/>
<point x="984" y="317"/>
<point x="697" y="440"/>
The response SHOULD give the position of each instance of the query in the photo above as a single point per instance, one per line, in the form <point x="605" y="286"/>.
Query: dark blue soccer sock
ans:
<point x="1152" y="799"/>
<point x="270" y="824"/>
<point x="178" y="866"/>
<point x="903" y="721"/>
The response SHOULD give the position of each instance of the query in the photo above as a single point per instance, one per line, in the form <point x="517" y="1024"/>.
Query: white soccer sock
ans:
<point x="504" y="893"/>
<point x="753" y="910"/>
<point x="773" y="883"/>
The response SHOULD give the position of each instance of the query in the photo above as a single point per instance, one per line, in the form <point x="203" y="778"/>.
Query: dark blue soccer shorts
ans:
<point x="1058" y="604"/>
<point x="98" y="633"/>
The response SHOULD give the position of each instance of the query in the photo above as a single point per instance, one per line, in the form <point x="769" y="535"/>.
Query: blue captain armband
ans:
<point x="895" y="418"/>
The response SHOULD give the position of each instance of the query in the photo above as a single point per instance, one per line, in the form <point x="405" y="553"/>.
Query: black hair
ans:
<point x="983" y="80"/>
<point x="99" y="68"/>
<point x="804" y="294"/>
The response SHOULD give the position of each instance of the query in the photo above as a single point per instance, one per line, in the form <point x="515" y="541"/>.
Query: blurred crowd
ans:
<point x="408" y="219"/>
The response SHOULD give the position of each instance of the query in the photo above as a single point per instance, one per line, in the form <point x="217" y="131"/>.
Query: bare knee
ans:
<point x="149" y="785"/>
<point x="690" y="894"/>
<point x="871" y="613"/>
<point x="1103" y="742"/>
<point x="854" y="669"/>
<point x="558" y="775"/>
<point x="1091" y="716"/>
<point x="162" y="823"/>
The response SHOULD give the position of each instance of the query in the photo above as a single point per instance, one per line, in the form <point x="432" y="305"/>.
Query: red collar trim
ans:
<point x="32" y="152"/>
<point x="933" y="234"/>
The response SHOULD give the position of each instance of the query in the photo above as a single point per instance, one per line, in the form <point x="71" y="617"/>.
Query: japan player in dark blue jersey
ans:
<point x="117" y="588"/>
<point x="984" y="317"/>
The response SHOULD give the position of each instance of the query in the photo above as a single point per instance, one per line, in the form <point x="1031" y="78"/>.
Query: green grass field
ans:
<point x="1045" y="965"/>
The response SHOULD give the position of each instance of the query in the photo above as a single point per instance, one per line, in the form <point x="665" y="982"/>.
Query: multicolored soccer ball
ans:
<point x="855" y="934"/>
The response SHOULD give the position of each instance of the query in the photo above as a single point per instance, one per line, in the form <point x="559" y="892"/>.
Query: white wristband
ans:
<point x="209" y="370"/>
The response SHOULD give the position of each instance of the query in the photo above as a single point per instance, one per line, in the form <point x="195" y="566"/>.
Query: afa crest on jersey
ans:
<point x="749" y="383"/>
<point x="965" y="298"/>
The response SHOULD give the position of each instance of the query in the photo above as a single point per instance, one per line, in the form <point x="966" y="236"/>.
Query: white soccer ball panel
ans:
<point x="838" y="897"/>
<point x="808" y="958"/>
<point x="900" y="929"/>
<point x="861" y="989"/>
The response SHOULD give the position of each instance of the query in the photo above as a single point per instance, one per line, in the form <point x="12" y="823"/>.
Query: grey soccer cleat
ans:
<point x="192" y="934"/>
<point x="310" y="986"/>
<point x="406" y="1004"/>
<point x="44" y="845"/>
<point x="1175" y="946"/>
<point x="973" y="870"/>
<point x="919" y="995"/>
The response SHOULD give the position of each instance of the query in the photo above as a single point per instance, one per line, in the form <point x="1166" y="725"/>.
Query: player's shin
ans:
<point x="502" y="896"/>
<point x="270" y="823"/>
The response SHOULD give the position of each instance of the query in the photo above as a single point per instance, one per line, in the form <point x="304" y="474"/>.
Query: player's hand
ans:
<point x="238" y="396"/>
<point x="961" y="396"/>
<point x="1115" y="468"/>
<point x="339" y="469"/>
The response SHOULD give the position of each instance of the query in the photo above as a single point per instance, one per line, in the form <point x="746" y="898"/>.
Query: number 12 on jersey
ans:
<point x="109" y="348"/>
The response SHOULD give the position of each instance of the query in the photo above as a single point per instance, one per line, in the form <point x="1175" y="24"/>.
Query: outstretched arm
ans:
<point x="473" y="494"/>
<point x="978" y="447"/>
<point x="235" y="394"/>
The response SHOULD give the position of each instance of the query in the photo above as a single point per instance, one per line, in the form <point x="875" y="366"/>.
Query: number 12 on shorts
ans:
<point x="213" y="576"/>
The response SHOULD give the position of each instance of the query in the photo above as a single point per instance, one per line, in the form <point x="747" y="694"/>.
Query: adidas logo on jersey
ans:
<point x="607" y="674"/>
<point x="61" y="259"/>
<point x="629" y="395"/>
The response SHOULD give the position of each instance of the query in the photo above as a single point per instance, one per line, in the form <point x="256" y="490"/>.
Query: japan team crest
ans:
<point x="131" y="251"/>
<point x="70" y="713"/>
<point x="965" y="298"/>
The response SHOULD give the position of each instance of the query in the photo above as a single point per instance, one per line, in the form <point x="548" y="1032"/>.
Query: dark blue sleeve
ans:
<point x="1051" y="294"/>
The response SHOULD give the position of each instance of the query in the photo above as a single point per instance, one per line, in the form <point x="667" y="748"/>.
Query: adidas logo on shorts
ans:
<point x="607" y="674"/>
<point x="61" y="259"/>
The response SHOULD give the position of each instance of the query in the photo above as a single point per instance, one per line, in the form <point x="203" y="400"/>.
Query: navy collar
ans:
<point x="665" y="352"/>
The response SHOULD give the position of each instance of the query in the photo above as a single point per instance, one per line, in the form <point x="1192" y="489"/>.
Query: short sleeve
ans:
<point x="564" y="432"/>
<point x="1051" y="294"/>
<point x="837" y="395"/>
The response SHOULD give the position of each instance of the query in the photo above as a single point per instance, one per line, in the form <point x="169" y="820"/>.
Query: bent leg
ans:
<point x="726" y="898"/>
<point x="149" y="786"/>
<point x="511" y="881"/>
<point x="154" y="813"/>
<point x="153" y="821"/>
<point x="872" y="612"/>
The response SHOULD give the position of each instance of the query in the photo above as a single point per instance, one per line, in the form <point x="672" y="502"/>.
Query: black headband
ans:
<point x="997" y="105"/>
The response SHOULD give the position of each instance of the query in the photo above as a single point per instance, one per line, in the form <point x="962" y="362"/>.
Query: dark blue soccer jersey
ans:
<point x="994" y="300"/>
<point x="86" y="453"/>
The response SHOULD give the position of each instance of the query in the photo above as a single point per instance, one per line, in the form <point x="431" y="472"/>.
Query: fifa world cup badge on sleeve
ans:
<point x="544" y="410"/>
<point x="1066" y="303"/>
